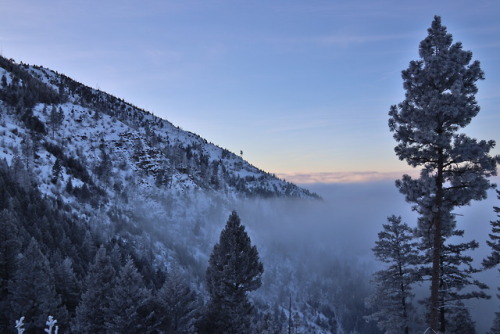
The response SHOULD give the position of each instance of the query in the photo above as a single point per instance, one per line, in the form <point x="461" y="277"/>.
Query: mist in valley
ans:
<point x="329" y="242"/>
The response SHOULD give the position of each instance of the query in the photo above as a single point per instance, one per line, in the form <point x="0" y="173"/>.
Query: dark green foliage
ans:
<point x="25" y="90"/>
<point x="458" y="320"/>
<point x="10" y="246"/>
<point x="493" y="259"/>
<point x="181" y="303"/>
<point x="439" y="102"/>
<point x="56" y="118"/>
<point x="127" y="295"/>
<point x="32" y="290"/>
<point x="234" y="269"/>
<point x="92" y="312"/>
<point x="32" y="122"/>
<point x="56" y="171"/>
<point x="396" y="246"/>
<point x="68" y="286"/>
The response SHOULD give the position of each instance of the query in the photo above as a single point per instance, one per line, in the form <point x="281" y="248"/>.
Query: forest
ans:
<point x="116" y="221"/>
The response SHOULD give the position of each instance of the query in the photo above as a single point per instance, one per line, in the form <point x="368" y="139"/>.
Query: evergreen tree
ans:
<point x="32" y="289"/>
<point x="234" y="269"/>
<point x="68" y="286"/>
<point x="494" y="259"/>
<point x="10" y="246"/>
<point x="180" y="303"/>
<point x="396" y="246"/>
<point x="439" y="101"/>
<point x="456" y="276"/>
<point x="56" y="171"/>
<point x="458" y="320"/>
<point x="56" y="118"/>
<point x="94" y="305"/>
<point x="126" y="297"/>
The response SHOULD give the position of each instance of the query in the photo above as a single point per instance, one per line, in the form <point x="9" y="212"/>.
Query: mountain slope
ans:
<point x="82" y="169"/>
<point x="95" y="125"/>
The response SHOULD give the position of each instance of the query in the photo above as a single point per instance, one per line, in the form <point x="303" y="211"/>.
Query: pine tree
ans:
<point x="126" y="297"/>
<point x="456" y="276"/>
<point x="396" y="246"/>
<point x="493" y="260"/>
<point x="458" y="320"/>
<point x="68" y="286"/>
<point x="181" y="304"/>
<point x="32" y="289"/>
<point x="234" y="270"/>
<point x="10" y="246"/>
<point x="56" y="171"/>
<point x="93" y="308"/>
<point x="56" y="118"/>
<point x="439" y="101"/>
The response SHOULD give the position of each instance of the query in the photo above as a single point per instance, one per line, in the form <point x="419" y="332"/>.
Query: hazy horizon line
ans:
<point x="351" y="177"/>
<point x="344" y="177"/>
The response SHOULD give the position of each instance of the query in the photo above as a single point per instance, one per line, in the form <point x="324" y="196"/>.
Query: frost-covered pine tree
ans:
<point x="93" y="308"/>
<point x="127" y="295"/>
<point x="396" y="246"/>
<point x="33" y="293"/>
<point x="180" y="303"/>
<point x="439" y="102"/>
<point x="459" y="320"/>
<point x="10" y="245"/>
<point x="457" y="281"/>
<point x="493" y="260"/>
<point x="234" y="269"/>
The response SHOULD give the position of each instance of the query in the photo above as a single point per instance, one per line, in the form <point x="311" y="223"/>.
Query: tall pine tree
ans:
<point x="396" y="246"/>
<point x="181" y="304"/>
<point x="127" y="295"/>
<point x="439" y="102"/>
<point x="234" y="269"/>
<point x="93" y="308"/>
<point x="33" y="293"/>
<point x="493" y="260"/>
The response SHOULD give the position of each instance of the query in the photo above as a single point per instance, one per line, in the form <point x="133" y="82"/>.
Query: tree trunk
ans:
<point x="436" y="249"/>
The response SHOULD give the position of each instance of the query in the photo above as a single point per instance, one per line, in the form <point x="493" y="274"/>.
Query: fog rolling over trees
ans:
<point x="113" y="220"/>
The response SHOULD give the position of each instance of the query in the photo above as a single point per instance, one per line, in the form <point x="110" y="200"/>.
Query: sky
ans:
<point x="302" y="88"/>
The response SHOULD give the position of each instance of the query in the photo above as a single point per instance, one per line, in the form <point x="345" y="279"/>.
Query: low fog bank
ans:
<point x="344" y="226"/>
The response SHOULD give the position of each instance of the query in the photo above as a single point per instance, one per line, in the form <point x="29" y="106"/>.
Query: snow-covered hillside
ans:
<point x="96" y="125"/>
<point x="132" y="179"/>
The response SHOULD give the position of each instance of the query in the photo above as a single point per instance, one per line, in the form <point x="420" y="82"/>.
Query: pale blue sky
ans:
<point x="302" y="87"/>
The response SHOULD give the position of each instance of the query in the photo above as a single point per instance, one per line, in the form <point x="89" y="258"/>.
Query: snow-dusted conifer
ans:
<point x="457" y="283"/>
<point x="234" y="269"/>
<point x="56" y="118"/>
<point x="181" y="303"/>
<point x="127" y="295"/>
<point x="33" y="293"/>
<point x="439" y="101"/>
<point x="68" y="285"/>
<point x="458" y="320"/>
<point x="10" y="245"/>
<point x="456" y="274"/>
<point x="93" y="308"/>
<point x="493" y="260"/>
<point x="396" y="246"/>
